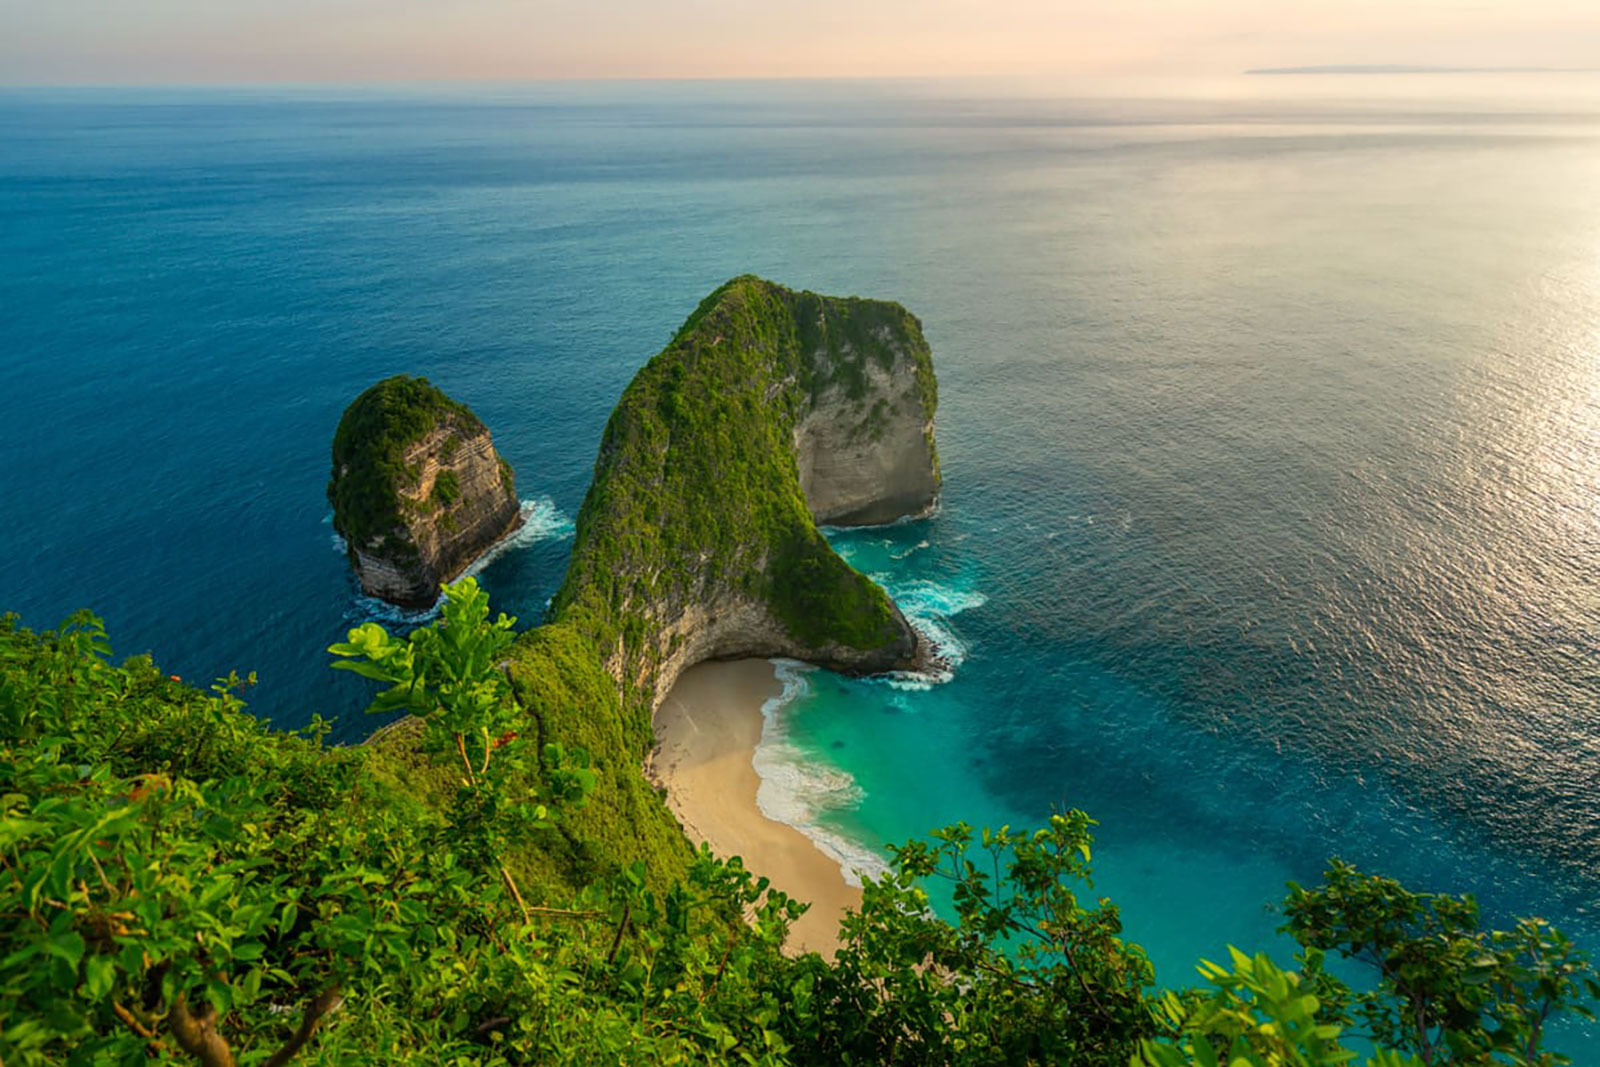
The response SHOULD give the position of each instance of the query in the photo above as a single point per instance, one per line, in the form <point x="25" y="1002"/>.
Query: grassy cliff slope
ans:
<point x="696" y="541"/>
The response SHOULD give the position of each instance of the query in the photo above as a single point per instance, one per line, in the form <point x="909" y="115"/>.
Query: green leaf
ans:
<point x="67" y="946"/>
<point x="366" y="669"/>
<point x="99" y="974"/>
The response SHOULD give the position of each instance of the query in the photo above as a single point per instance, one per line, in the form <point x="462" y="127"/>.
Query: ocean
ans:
<point x="1270" y="420"/>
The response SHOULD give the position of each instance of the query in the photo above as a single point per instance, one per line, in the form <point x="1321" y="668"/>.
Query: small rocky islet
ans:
<point x="418" y="490"/>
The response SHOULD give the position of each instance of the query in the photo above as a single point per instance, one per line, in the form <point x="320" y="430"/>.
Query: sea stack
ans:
<point x="418" y="491"/>
<point x="769" y="412"/>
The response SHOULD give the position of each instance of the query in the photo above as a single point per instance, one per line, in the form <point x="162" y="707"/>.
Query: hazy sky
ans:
<point x="165" y="41"/>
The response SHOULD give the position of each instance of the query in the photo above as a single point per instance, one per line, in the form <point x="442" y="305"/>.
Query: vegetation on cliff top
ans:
<point x="369" y="452"/>
<point x="852" y="332"/>
<point x="183" y="885"/>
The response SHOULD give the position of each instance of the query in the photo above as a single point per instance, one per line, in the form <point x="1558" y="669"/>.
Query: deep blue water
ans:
<point x="1271" y="429"/>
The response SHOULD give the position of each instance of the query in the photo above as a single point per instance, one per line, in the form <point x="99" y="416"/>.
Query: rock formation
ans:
<point x="770" y="410"/>
<point x="864" y="443"/>
<point x="418" y="491"/>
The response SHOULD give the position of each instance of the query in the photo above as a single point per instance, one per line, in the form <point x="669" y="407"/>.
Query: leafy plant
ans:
<point x="448" y="675"/>
<point x="451" y="676"/>
<point x="1448" y="990"/>
<point x="1026" y="974"/>
<point x="1256" y="1016"/>
<point x="181" y="884"/>
<point x="144" y="909"/>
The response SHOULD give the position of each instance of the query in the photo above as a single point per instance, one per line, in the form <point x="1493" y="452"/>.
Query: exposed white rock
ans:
<point x="869" y="461"/>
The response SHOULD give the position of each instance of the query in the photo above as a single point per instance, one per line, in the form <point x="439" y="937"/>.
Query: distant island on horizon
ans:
<point x="1411" y="68"/>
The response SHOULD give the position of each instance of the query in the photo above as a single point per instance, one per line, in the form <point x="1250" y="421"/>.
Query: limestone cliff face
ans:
<point x="864" y="445"/>
<point x="769" y="411"/>
<point x="731" y="626"/>
<point x="418" y="490"/>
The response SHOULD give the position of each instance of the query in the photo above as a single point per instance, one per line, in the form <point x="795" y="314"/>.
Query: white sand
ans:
<point x="706" y="734"/>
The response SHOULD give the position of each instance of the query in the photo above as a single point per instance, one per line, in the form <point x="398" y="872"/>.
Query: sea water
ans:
<point x="1270" y="418"/>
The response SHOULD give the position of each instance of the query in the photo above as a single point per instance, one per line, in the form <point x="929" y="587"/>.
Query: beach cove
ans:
<point x="708" y="731"/>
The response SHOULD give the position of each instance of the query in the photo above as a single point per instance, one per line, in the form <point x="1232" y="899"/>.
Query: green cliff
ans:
<point x="698" y="538"/>
<point x="417" y="489"/>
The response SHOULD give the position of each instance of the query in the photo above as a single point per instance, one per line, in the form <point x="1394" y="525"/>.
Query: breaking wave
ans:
<point x="799" y="790"/>
<point x="541" y="521"/>
<point x="929" y="606"/>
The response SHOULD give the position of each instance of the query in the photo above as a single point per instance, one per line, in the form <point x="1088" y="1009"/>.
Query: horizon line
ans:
<point x="561" y="78"/>
<point x="1413" y="68"/>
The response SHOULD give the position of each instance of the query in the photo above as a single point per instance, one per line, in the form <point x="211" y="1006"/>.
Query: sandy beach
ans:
<point x="706" y="734"/>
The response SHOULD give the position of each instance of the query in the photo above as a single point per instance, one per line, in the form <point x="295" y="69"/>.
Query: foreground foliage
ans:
<point x="181" y="884"/>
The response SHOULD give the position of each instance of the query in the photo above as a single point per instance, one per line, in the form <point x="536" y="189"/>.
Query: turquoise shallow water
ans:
<point x="1269" y="424"/>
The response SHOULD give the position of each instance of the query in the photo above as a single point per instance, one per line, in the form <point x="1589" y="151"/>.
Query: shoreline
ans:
<point x="707" y="731"/>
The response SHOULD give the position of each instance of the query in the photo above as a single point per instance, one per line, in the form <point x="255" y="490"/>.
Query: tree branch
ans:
<point x="566" y="913"/>
<point x="727" y="950"/>
<point x="132" y="1021"/>
<point x="516" y="894"/>
<point x="616" y="942"/>
<point x="326" y="1002"/>
<point x="461" y="747"/>
<point x="197" y="1035"/>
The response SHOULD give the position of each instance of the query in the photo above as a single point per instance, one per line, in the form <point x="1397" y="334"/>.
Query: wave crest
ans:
<point x="798" y="790"/>
<point x="929" y="606"/>
<point x="541" y="521"/>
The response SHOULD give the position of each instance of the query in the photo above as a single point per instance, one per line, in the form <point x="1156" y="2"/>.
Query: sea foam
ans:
<point x="799" y="790"/>
<point x="929" y="606"/>
<point x="541" y="521"/>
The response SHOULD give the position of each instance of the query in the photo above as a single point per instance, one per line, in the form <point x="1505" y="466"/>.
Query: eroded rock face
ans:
<point x="419" y="491"/>
<point x="447" y="530"/>
<point x="869" y="459"/>
<point x="731" y="626"/>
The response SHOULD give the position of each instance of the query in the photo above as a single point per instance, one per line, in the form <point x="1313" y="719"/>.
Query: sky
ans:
<point x="252" y="41"/>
